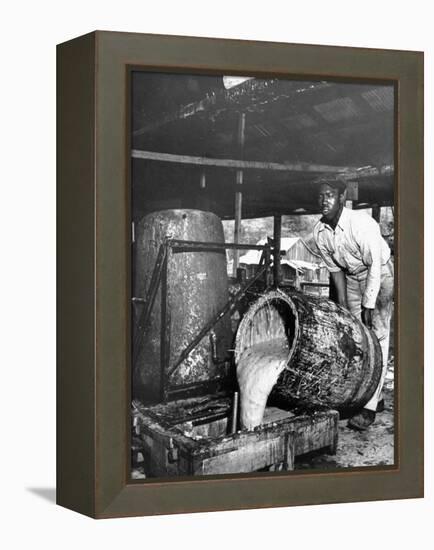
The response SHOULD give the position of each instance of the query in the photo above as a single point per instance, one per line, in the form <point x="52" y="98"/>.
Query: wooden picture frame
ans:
<point x="93" y="421"/>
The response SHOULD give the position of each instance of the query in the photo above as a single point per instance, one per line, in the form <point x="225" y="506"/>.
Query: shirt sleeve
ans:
<point x="325" y="254"/>
<point x="370" y="248"/>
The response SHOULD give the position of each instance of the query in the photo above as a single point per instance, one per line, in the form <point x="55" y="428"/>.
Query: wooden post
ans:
<point x="267" y="258"/>
<point x="202" y="200"/>
<point x="277" y="238"/>
<point x="238" y="192"/>
<point x="202" y="182"/>
<point x="376" y="212"/>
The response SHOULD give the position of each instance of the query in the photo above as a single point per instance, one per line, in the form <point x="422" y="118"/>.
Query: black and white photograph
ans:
<point x="262" y="274"/>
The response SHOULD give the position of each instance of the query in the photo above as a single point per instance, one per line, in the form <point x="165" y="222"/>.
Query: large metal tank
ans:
<point x="330" y="358"/>
<point x="198" y="288"/>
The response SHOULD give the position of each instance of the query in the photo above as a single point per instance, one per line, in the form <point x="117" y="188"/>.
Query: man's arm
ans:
<point x="370" y="248"/>
<point x="367" y="316"/>
<point x="340" y="284"/>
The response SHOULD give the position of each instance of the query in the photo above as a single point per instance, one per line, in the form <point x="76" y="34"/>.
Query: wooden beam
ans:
<point x="236" y="164"/>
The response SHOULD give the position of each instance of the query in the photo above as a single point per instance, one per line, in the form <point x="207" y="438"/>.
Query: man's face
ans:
<point x="330" y="201"/>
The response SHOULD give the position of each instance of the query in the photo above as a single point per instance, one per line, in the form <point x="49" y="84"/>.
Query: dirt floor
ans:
<point x="373" y="447"/>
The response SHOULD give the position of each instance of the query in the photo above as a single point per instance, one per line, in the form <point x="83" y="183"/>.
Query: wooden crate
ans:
<point x="190" y="437"/>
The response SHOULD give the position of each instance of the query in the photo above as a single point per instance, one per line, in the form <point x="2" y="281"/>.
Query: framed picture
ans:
<point x="240" y="274"/>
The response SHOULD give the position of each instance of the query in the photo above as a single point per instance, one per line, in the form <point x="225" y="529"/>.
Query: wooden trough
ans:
<point x="192" y="437"/>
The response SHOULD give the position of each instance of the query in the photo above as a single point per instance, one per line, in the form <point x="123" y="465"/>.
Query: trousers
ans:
<point x="356" y="285"/>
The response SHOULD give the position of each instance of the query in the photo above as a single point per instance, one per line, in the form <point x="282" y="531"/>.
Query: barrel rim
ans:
<point x="268" y="297"/>
<point x="374" y="348"/>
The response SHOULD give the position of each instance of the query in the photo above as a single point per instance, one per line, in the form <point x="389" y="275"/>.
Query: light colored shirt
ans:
<point x="355" y="247"/>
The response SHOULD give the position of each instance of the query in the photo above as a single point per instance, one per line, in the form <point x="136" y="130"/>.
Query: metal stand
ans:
<point x="160" y="275"/>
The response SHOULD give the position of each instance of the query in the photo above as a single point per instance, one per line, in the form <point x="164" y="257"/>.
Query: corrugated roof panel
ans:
<point x="299" y="122"/>
<point x="278" y="145"/>
<point x="380" y="99"/>
<point x="326" y="141"/>
<point x="265" y="130"/>
<point x="338" y="109"/>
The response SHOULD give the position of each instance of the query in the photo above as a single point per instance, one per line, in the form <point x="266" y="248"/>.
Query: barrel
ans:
<point x="197" y="287"/>
<point x="323" y="355"/>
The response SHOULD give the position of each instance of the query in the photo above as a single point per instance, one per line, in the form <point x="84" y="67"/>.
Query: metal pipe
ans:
<point x="178" y="243"/>
<point x="230" y="304"/>
<point x="213" y="344"/>
<point x="234" y="417"/>
<point x="149" y="301"/>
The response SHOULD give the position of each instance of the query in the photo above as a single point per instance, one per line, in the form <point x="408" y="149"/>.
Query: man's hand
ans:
<point x="367" y="315"/>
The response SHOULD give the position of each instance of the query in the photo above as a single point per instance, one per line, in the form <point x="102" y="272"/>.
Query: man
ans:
<point x="358" y="259"/>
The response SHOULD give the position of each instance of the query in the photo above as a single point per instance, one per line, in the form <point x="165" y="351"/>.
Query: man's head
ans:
<point x="331" y="199"/>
